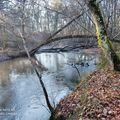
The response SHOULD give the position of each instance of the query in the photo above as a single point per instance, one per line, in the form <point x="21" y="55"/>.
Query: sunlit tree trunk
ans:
<point x="103" y="40"/>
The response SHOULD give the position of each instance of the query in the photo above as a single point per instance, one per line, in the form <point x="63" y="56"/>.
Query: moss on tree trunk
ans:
<point x="101" y="33"/>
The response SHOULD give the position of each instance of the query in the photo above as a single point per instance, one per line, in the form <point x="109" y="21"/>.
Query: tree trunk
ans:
<point x="103" y="40"/>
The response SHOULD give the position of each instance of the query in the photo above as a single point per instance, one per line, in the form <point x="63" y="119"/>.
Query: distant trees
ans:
<point x="1" y="4"/>
<point x="49" y="15"/>
<point x="35" y="16"/>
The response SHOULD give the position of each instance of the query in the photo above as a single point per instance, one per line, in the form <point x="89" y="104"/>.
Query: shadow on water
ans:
<point x="21" y="94"/>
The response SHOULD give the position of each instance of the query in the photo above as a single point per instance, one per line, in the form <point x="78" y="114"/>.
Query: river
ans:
<point x="21" y="95"/>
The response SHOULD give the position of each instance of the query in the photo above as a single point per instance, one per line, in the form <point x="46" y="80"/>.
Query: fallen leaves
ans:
<point x="98" y="100"/>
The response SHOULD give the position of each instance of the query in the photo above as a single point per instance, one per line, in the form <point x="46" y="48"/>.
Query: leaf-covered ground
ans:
<point x="96" y="98"/>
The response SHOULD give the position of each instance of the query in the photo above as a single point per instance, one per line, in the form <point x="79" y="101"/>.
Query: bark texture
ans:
<point x="101" y="33"/>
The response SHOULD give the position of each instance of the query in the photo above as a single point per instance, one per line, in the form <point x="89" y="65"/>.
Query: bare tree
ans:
<point x="103" y="39"/>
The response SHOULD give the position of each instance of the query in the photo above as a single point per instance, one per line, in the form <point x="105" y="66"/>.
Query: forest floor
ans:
<point x="96" y="98"/>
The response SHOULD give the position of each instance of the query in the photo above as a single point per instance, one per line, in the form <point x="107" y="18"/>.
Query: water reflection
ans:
<point x="20" y="88"/>
<point x="56" y="61"/>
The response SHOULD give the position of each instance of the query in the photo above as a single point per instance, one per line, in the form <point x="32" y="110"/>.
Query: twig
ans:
<point x="74" y="66"/>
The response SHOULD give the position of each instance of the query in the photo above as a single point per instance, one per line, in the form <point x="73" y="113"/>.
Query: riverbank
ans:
<point x="15" y="49"/>
<point x="96" y="98"/>
<point x="8" y="55"/>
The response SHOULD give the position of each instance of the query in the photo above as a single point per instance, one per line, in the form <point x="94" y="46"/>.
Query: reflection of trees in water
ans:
<point x="6" y="93"/>
<point x="4" y="74"/>
<point x="18" y="66"/>
<point x="7" y="96"/>
<point x="85" y="57"/>
<point x="50" y="60"/>
<point x="54" y="61"/>
<point x="21" y="66"/>
<point x="81" y="58"/>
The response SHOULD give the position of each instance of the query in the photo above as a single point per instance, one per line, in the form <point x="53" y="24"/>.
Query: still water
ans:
<point x="21" y="95"/>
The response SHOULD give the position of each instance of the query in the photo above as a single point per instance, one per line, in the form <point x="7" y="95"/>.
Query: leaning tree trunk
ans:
<point x="103" y="40"/>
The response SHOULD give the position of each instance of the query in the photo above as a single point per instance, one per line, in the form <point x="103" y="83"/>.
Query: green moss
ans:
<point x="116" y="47"/>
<point x="99" y="41"/>
<point x="103" y="62"/>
